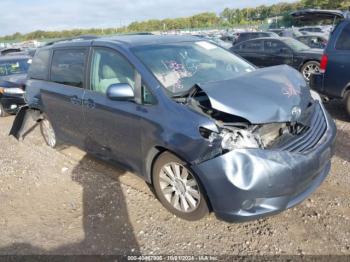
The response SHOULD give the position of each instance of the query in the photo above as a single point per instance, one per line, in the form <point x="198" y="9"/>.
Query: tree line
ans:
<point x="227" y="18"/>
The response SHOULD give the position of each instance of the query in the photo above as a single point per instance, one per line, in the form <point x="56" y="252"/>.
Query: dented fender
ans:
<point x="272" y="180"/>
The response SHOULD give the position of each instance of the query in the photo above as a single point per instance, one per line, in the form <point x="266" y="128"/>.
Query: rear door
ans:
<point x="62" y="98"/>
<point x="113" y="127"/>
<point x="277" y="53"/>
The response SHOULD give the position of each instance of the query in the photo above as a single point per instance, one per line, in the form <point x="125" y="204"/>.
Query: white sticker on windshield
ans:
<point x="206" y="45"/>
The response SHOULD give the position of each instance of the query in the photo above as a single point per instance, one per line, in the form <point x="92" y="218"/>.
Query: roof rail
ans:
<point x="74" y="38"/>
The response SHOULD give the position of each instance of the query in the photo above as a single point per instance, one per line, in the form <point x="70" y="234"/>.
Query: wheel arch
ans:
<point x="306" y="61"/>
<point x="154" y="154"/>
<point x="151" y="158"/>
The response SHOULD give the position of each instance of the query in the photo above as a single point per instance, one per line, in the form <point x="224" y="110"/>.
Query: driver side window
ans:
<point x="108" y="67"/>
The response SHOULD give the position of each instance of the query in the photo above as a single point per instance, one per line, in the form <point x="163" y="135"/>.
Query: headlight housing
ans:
<point x="12" y="91"/>
<point x="239" y="138"/>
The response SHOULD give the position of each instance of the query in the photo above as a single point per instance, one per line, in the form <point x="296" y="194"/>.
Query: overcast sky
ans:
<point x="30" y="15"/>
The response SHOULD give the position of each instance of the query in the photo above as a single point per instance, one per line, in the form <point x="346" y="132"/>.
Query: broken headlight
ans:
<point x="239" y="138"/>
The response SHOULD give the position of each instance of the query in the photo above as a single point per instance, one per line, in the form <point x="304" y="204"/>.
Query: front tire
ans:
<point x="310" y="68"/>
<point x="178" y="189"/>
<point x="48" y="132"/>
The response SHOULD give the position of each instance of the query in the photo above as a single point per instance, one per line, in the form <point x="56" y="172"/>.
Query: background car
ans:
<point x="333" y="80"/>
<point x="264" y="52"/>
<point x="312" y="29"/>
<point x="13" y="74"/>
<point x="313" y="41"/>
<point x="244" y="36"/>
<point x="289" y="32"/>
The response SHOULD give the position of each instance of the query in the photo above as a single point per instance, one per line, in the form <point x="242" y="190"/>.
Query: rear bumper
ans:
<point x="11" y="104"/>
<point x="326" y="86"/>
<point x="248" y="184"/>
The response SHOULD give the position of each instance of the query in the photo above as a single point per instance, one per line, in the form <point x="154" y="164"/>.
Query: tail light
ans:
<point x="323" y="64"/>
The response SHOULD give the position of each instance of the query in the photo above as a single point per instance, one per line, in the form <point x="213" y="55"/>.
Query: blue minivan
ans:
<point x="208" y="130"/>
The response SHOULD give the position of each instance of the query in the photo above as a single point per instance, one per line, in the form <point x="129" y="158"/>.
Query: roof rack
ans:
<point x="75" y="38"/>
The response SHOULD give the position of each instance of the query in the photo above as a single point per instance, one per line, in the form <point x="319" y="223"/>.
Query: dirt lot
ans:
<point x="64" y="202"/>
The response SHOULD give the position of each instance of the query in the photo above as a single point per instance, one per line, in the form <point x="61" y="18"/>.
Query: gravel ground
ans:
<point x="65" y="202"/>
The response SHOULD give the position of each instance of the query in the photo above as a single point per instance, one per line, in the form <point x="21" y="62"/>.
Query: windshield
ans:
<point x="11" y="67"/>
<point x="296" y="45"/>
<point x="180" y="66"/>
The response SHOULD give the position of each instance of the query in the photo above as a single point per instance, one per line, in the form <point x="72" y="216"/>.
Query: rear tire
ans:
<point x="178" y="189"/>
<point x="347" y="102"/>
<point x="48" y="132"/>
<point x="3" y="113"/>
<point x="310" y="68"/>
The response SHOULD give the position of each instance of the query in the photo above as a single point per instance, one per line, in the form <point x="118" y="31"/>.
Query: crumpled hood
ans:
<point x="263" y="96"/>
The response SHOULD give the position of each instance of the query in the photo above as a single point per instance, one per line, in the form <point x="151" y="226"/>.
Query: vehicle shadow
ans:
<point x="105" y="219"/>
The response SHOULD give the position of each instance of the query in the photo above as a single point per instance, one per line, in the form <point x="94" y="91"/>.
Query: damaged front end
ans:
<point x="262" y="109"/>
<point x="276" y="141"/>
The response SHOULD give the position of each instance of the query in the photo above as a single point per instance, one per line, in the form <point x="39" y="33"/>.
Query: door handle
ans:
<point x="75" y="100"/>
<point x="89" y="103"/>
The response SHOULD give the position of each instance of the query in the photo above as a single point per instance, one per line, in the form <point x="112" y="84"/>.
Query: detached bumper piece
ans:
<point x="248" y="184"/>
<point x="26" y="120"/>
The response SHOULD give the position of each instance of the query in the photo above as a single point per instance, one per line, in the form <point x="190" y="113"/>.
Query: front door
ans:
<point x="113" y="127"/>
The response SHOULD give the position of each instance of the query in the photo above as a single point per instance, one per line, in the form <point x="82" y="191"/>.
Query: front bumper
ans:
<point x="11" y="104"/>
<point x="248" y="184"/>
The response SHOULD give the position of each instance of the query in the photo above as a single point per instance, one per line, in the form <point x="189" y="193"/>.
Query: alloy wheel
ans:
<point x="48" y="133"/>
<point x="179" y="187"/>
<point x="310" y="69"/>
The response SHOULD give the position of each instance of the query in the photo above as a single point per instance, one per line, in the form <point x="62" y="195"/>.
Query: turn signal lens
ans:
<point x="1" y="90"/>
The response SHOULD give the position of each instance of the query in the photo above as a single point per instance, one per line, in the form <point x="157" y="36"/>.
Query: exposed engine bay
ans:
<point x="237" y="132"/>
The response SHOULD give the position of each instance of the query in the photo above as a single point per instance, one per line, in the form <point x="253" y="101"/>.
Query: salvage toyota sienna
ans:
<point x="208" y="130"/>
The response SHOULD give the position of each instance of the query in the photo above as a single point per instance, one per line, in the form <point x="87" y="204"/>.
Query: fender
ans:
<point x="25" y="122"/>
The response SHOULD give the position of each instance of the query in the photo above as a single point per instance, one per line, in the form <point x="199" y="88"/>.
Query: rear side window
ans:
<point x="68" y="67"/>
<point x="251" y="46"/>
<point x="343" y="42"/>
<point x="39" y="69"/>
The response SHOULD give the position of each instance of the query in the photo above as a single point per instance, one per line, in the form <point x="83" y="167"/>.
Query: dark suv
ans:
<point x="333" y="81"/>
<point x="205" y="128"/>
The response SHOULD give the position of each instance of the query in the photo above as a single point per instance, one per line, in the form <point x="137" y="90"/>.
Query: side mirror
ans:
<point x="120" y="92"/>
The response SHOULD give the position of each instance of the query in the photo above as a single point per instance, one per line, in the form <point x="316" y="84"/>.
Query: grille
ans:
<point x="312" y="136"/>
